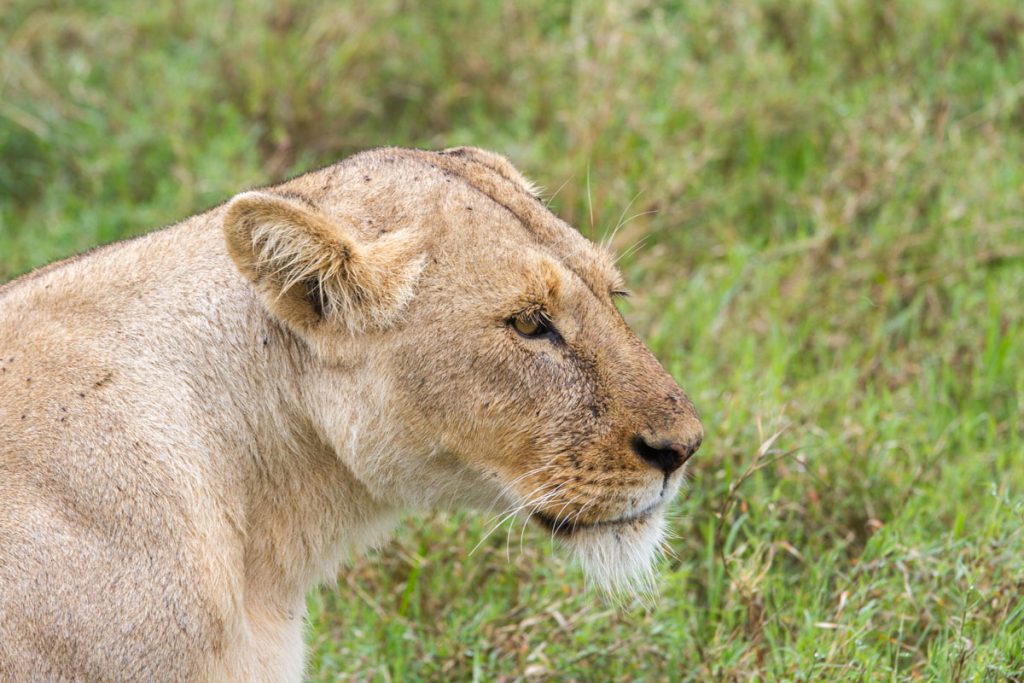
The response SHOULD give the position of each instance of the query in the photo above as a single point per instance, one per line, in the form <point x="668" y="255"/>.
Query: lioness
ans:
<point x="197" y="426"/>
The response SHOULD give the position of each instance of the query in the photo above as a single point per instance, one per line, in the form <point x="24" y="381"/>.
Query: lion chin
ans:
<point x="619" y="558"/>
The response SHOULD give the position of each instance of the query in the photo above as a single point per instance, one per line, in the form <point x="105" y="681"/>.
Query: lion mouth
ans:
<point x="567" y="526"/>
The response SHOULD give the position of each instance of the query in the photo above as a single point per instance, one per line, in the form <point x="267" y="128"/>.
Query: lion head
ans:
<point x="469" y="350"/>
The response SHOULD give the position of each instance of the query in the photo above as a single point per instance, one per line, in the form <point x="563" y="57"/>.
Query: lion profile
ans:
<point x="199" y="425"/>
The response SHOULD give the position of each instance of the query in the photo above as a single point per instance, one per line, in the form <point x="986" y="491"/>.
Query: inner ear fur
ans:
<point x="312" y="271"/>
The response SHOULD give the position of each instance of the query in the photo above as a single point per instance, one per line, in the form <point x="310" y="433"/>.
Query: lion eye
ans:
<point x="530" y="325"/>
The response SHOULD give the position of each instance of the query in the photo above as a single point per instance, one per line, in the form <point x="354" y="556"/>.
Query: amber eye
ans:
<point x="526" y="326"/>
<point x="530" y="325"/>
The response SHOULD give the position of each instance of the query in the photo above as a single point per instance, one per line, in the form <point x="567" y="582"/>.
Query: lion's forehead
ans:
<point x="469" y="198"/>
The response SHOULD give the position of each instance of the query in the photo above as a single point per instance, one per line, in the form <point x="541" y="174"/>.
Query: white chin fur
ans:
<point x="620" y="559"/>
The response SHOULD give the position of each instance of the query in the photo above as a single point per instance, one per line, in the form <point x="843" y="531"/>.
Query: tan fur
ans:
<point x="197" y="426"/>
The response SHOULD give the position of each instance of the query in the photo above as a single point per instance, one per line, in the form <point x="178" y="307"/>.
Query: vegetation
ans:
<point x="820" y="207"/>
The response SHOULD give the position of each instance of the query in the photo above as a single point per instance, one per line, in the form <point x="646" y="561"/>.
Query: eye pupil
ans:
<point x="528" y="326"/>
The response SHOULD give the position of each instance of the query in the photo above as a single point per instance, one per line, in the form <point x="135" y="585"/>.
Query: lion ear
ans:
<point x="312" y="271"/>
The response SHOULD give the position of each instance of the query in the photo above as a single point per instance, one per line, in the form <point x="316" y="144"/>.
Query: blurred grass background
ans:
<point x="822" y="208"/>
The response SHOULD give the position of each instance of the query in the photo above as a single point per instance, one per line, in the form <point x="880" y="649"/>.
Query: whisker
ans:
<point x="633" y="249"/>
<point x="554" y="519"/>
<point x="590" y="201"/>
<point x="526" y="518"/>
<point x="534" y="506"/>
<point x="552" y="197"/>
<point x="510" y="492"/>
<point x="607" y="243"/>
<point x="508" y="515"/>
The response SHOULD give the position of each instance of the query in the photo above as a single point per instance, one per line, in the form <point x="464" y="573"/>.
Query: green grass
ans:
<point x="830" y="199"/>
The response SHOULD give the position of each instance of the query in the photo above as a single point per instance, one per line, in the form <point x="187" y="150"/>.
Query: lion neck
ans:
<point x="297" y="509"/>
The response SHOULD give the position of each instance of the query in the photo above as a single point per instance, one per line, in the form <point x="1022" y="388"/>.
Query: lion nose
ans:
<point x="668" y="456"/>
